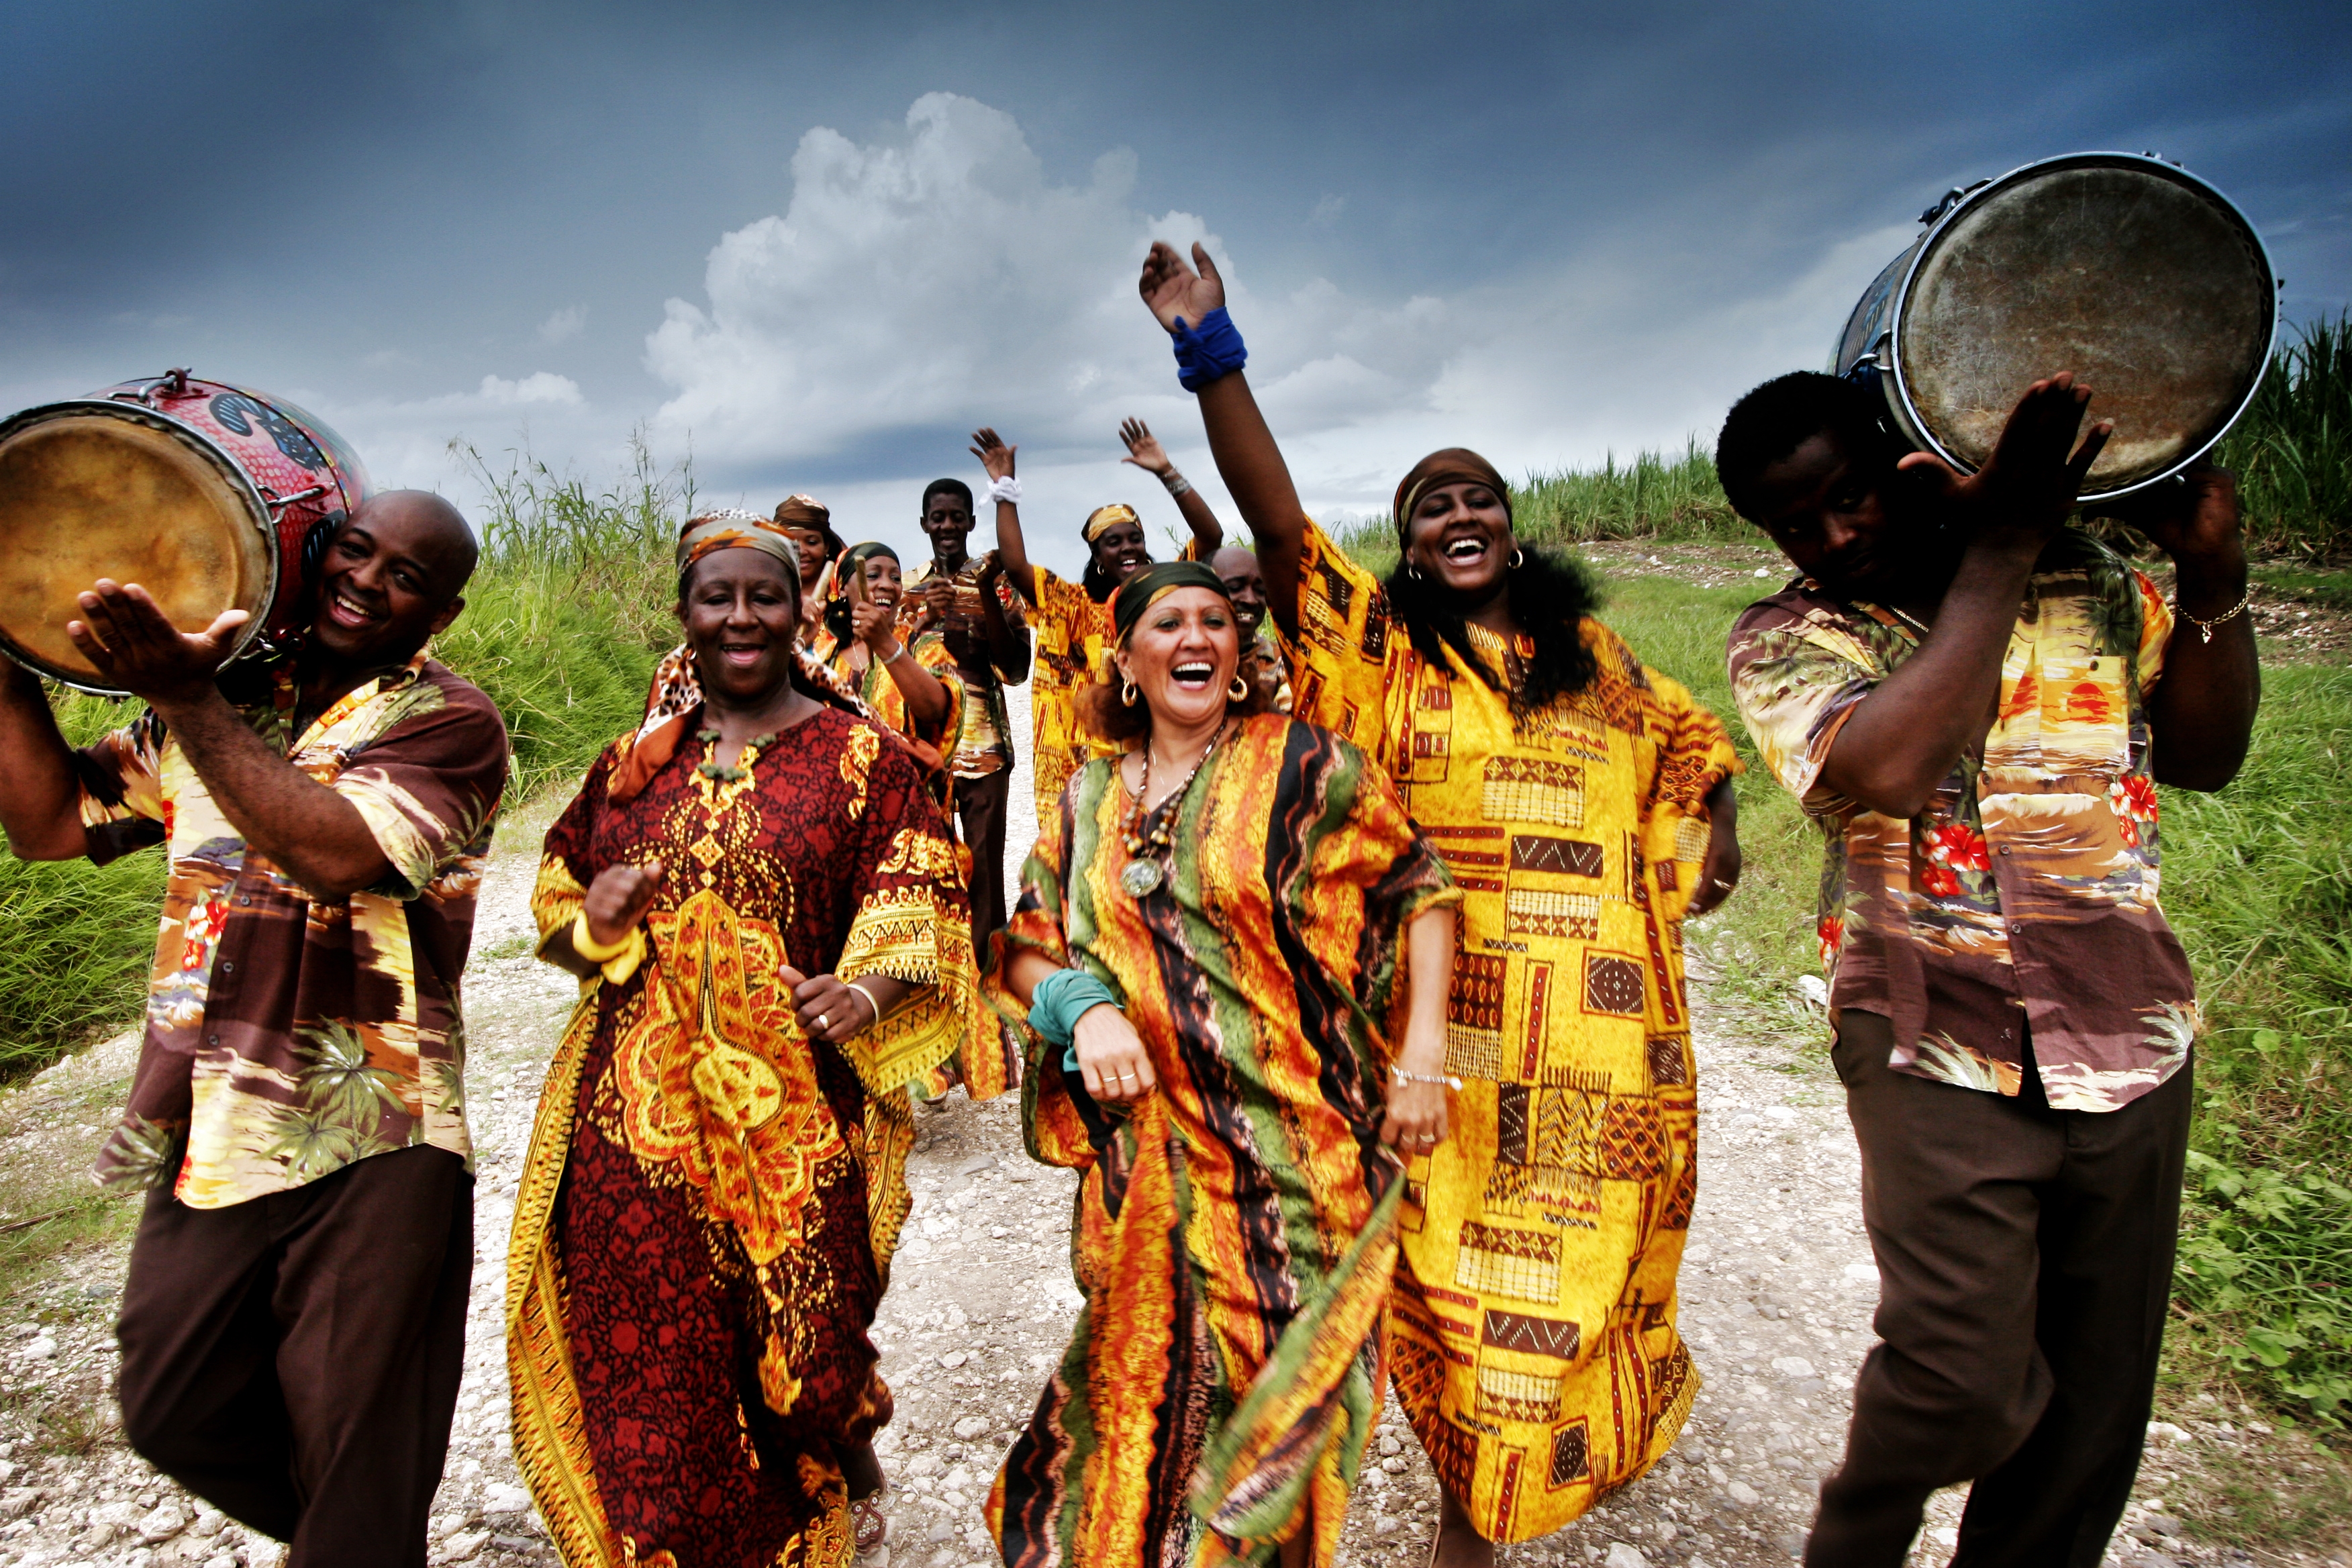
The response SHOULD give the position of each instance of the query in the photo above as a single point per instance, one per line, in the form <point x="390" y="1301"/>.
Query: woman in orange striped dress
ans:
<point x="1207" y="953"/>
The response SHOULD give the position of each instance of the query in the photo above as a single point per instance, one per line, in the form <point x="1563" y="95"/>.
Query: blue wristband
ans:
<point x="1213" y="349"/>
<point x="1058" y="1004"/>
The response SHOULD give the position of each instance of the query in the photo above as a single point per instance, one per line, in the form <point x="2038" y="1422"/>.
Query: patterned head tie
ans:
<point x="1451" y="465"/>
<point x="805" y="511"/>
<point x="735" y="530"/>
<point x="1154" y="583"/>
<point x="1103" y="518"/>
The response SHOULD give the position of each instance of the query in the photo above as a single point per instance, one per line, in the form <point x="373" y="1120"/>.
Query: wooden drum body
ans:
<point x="205" y="494"/>
<point x="2141" y="278"/>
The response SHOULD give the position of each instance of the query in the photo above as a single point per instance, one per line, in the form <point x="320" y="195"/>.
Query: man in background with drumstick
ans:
<point x="293" y="1324"/>
<point x="1976" y="702"/>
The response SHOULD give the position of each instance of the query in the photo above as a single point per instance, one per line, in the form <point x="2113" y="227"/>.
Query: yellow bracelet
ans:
<point x="618" y="960"/>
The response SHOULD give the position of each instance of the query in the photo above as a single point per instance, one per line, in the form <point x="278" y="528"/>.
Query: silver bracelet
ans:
<point x="1448" y="1080"/>
<point x="859" y="986"/>
<point x="893" y="658"/>
<point x="1177" y="483"/>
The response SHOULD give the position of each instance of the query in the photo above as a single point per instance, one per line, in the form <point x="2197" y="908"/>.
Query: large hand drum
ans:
<point x="2139" y="277"/>
<point x="201" y="493"/>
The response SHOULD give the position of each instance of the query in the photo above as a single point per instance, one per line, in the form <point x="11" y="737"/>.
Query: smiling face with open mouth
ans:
<point x="1181" y="656"/>
<point x="1121" y="550"/>
<point x="740" y="611"/>
<point x="884" y="580"/>
<point x="1459" y="536"/>
<point x="388" y="580"/>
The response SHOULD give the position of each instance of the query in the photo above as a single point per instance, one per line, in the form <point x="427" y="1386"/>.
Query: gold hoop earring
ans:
<point x="1518" y="558"/>
<point x="1239" y="690"/>
<point x="1128" y="693"/>
<point x="1412" y="571"/>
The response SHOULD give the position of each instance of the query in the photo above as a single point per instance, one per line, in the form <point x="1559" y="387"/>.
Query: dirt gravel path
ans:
<point x="1778" y="1295"/>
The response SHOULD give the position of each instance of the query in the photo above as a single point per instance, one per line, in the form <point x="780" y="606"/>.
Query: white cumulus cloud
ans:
<point x="562" y="326"/>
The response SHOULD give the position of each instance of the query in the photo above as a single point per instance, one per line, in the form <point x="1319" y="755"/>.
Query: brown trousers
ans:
<point x="980" y="805"/>
<point x="293" y="1360"/>
<point x="2025" y="1267"/>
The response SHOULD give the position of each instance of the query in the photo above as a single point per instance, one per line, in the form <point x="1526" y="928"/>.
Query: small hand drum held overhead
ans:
<point x="201" y="493"/>
<point x="2141" y="278"/>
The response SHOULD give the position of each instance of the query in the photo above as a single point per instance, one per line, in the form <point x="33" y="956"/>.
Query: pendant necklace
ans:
<point x="1145" y="872"/>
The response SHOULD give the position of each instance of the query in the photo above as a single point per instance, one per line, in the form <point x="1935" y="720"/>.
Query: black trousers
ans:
<point x="293" y="1360"/>
<point x="980" y="804"/>
<point x="2025" y="1267"/>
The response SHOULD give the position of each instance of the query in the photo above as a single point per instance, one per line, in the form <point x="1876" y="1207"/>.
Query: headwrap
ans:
<point x="805" y="511"/>
<point x="731" y="529"/>
<point x="1154" y="583"/>
<point x="1103" y="518"/>
<point x="1452" y="466"/>
<point x="851" y="566"/>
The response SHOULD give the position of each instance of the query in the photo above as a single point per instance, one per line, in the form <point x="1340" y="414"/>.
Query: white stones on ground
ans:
<point x="1862" y="1273"/>
<point x="43" y="1348"/>
<point x="954" y="1359"/>
<point x="167" y="1520"/>
<point x="500" y="1497"/>
<point x="208" y="1525"/>
<point x="970" y="1426"/>
<point x="460" y="1548"/>
<point x="1621" y="1555"/>
<point x="17" y="1502"/>
<point x="1793" y="1366"/>
<point x="1743" y="1494"/>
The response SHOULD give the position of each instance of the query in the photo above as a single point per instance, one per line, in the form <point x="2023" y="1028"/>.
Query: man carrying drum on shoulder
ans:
<point x="1976" y="702"/>
<point x="973" y="605"/>
<point x="293" y="1325"/>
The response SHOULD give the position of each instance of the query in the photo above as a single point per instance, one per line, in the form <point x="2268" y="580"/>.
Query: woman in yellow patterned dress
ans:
<point x="911" y="685"/>
<point x="1583" y="805"/>
<point x="762" y="902"/>
<point x="1072" y="620"/>
<point x="1230" y="952"/>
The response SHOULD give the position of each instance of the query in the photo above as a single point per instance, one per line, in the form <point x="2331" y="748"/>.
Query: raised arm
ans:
<point x="1903" y="739"/>
<point x="2202" y="707"/>
<point x="1011" y="548"/>
<point x="1247" y="459"/>
<point x="40" y="804"/>
<point x="1144" y="450"/>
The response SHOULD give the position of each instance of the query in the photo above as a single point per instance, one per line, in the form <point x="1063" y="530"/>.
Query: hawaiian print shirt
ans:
<point x="2024" y="896"/>
<point x="289" y="1037"/>
<point x="986" y="743"/>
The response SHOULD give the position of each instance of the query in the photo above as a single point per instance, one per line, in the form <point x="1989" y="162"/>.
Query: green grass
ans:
<point x="2293" y="450"/>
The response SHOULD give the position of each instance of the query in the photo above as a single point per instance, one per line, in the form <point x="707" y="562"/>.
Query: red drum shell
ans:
<point x="203" y="492"/>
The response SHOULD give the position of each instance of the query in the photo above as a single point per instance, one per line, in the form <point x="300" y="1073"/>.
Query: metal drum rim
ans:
<point x="257" y="512"/>
<point x="1924" y="245"/>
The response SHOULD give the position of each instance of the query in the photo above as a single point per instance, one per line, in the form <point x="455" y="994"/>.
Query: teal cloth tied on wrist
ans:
<point x="1058" y="1004"/>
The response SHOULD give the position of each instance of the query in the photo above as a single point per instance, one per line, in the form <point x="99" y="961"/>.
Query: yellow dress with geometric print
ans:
<point x="1533" y="1339"/>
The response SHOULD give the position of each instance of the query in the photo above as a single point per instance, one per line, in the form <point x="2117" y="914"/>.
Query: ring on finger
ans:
<point x="824" y="1022"/>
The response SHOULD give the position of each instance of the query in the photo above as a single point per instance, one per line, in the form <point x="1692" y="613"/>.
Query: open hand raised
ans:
<point x="2029" y="483"/>
<point x="1143" y="448"/>
<point x="2191" y="516"/>
<point x="994" y="454"/>
<point x="1173" y="289"/>
<point x="125" y="635"/>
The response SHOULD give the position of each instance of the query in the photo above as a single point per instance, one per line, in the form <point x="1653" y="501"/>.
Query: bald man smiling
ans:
<point x="293" y="1325"/>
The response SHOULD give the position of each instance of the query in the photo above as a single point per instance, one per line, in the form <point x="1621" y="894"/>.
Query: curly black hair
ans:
<point x="1550" y="596"/>
<point x="1776" y="418"/>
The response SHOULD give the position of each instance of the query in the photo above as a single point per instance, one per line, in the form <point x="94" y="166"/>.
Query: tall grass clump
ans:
<point x="571" y="608"/>
<point x="2292" y="449"/>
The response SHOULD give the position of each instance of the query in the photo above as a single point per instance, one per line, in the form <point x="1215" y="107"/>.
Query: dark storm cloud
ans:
<point x="379" y="206"/>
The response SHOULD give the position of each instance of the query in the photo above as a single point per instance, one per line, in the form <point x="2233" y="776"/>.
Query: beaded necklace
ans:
<point x="1145" y="869"/>
<point x="709" y="766"/>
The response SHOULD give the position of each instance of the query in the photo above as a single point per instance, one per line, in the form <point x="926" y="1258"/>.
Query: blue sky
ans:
<point x="815" y="244"/>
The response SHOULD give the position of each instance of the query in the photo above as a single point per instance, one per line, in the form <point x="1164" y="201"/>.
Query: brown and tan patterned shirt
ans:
<point x="289" y="1037"/>
<point x="985" y="744"/>
<point x="2026" y="895"/>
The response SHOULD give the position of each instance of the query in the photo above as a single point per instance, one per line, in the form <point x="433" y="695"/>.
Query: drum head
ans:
<point x="86" y="494"/>
<point x="2145" y="283"/>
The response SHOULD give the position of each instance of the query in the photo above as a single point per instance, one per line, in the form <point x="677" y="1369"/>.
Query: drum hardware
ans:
<point x="2135" y="274"/>
<point x="212" y="497"/>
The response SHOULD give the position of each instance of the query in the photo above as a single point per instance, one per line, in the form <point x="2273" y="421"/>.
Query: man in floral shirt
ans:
<point x="1975" y="703"/>
<point x="293" y="1325"/>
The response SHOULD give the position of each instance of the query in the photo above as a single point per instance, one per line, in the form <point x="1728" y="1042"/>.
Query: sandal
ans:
<point x="865" y="1512"/>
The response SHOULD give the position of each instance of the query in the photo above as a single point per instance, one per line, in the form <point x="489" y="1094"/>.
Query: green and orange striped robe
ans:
<point x="1236" y="1235"/>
